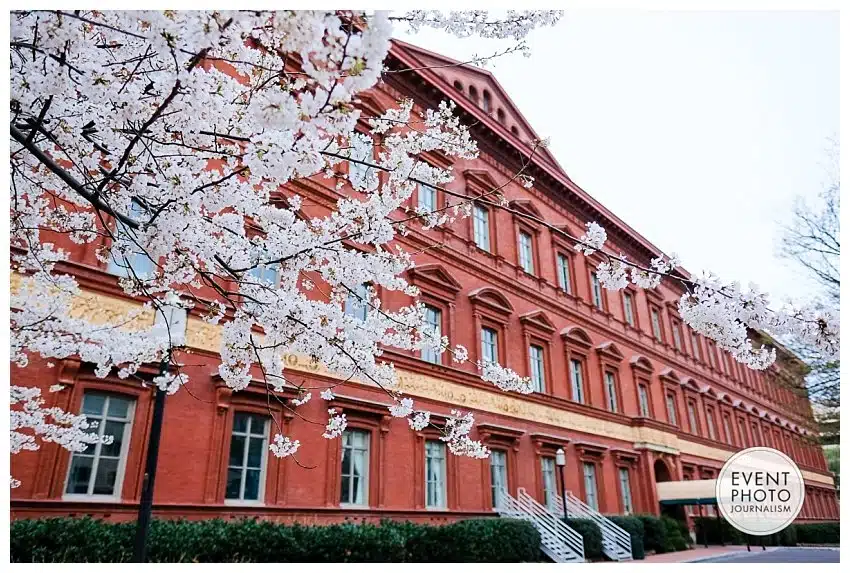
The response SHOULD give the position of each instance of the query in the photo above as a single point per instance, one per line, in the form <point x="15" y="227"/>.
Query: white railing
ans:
<point x="559" y="542"/>
<point x="616" y="541"/>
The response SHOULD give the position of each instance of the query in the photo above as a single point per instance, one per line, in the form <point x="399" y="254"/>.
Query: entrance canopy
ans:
<point x="687" y="492"/>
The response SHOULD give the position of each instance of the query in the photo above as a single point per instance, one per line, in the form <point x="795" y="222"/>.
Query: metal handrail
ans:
<point x="559" y="541"/>
<point x="616" y="541"/>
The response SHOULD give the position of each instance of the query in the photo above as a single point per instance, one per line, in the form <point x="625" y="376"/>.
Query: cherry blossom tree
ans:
<point x="176" y="135"/>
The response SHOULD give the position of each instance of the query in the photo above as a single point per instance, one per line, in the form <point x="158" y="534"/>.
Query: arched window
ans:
<point x="458" y="86"/>
<point x="514" y="130"/>
<point x="473" y="94"/>
<point x="486" y="103"/>
<point x="501" y="115"/>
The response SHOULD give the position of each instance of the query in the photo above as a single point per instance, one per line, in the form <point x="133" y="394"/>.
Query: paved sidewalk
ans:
<point x="698" y="554"/>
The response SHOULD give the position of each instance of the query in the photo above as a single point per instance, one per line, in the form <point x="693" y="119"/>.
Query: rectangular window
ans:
<point x="564" y="273"/>
<point x="136" y="259"/>
<point x="723" y="363"/>
<point x="489" y="345"/>
<point x="628" y="309"/>
<point x="655" y="317"/>
<point x="611" y="390"/>
<point x="265" y="273"/>
<point x="596" y="291"/>
<point x="498" y="475"/>
<point x="355" y="468"/>
<point x="575" y="378"/>
<point x="427" y="198"/>
<point x="711" y="350"/>
<point x="671" y="409"/>
<point x="742" y="428"/>
<point x="356" y="303"/>
<point x="433" y="323"/>
<point x="727" y="429"/>
<point x="99" y="469"/>
<point x="591" y="496"/>
<point x="626" y="491"/>
<point x="246" y="466"/>
<point x="526" y="253"/>
<point x="695" y="344"/>
<point x="677" y="336"/>
<point x="362" y="152"/>
<point x="643" y="399"/>
<point x="435" y="474"/>
<point x="709" y="417"/>
<point x="481" y="227"/>
<point x="538" y="376"/>
<point x="550" y="490"/>
<point x="692" y="418"/>
<point x="756" y="437"/>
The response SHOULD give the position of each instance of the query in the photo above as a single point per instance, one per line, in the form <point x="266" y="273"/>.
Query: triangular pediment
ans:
<point x="525" y="206"/>
<point x="435" y="275"/>
<point x="538" y="319"/>
<point x="474" y="87"/>
<point x="479" y="181"/>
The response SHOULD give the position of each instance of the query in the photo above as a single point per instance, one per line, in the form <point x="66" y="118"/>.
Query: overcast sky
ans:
<point x="696" y="128"/>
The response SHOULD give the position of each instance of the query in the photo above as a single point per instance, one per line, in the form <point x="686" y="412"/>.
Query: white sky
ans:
<point x="696" y="128"/>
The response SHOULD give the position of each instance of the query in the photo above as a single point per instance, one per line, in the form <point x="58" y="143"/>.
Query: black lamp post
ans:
<point x="561" y="462"/>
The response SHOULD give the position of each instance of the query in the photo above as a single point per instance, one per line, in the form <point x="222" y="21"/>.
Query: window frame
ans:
<point x="112" y="266"/>
<point x="368" y="469"/>
<point x="629" y="310"/>
<point x="488" y="226"/>
<point x="593" y="283"/>
<point x="670" y="400"/>
<point x="526" y="251"/>
<point x="541" y="387"/>
<point x="627" y="492"/>
<point x="437" y="356"/>
<point x="122" y="457"/>
<point x="264" y="462"/>
<point x="567" y="287"/>
<point x="445" y="476"/>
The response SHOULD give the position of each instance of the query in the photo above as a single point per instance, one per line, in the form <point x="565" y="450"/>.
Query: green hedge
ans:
<point x="592" y="537"/>
<point x="89" y="540"/>
<point x="818" y="533"/>
<point x="634" y="525"/>
<point x="676" y="535"/>
<point x="719" y="531"/>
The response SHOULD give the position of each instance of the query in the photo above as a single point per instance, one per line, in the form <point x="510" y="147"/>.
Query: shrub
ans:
<point x="653" y="538"/>
<point x="818" y="533"/>
<point x="674" y="540"/>
<point x="89" y="540"/>
<point x="592" y="537"/>
<point x="634" y="525"/>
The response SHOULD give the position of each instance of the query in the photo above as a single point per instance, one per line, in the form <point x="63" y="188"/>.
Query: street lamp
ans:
<point x="561" y="461"/>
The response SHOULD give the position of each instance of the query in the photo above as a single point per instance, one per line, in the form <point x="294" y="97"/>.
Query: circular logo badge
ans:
<point x="760" y="491"/>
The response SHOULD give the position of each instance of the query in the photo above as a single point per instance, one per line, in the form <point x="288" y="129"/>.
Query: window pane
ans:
<point x="104" y="481"/>
<point x="116" y="430"/>
<point x="252" y="485"/>
<point x="234" y="482"/>
<point x="255" y="452"/>
<point x="345" y="490"/>
<point x="78" y="480"/>
<point x="93" y="404"/>
<point x="258" y="425"/>
<point x="118" y="407"/>
<point x="237" y="451"/>
<point x="240" y="423"/>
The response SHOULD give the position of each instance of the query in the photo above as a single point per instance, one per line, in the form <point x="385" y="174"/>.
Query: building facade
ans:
<point x="623" y="386"/>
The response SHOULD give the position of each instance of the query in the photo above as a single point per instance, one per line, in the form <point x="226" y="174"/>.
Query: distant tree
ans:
<point x="812" y="239"/>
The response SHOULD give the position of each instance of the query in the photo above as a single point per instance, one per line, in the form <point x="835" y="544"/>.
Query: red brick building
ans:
<point x="631" y="394"/>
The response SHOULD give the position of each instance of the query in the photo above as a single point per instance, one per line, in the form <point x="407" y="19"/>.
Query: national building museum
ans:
<point x="630" y="393"/>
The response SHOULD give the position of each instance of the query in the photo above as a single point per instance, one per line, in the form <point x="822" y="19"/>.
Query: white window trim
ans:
<point x="260" y="501"/>
<point x="443" y="481"/>
<point x="122" y="460"/>
<point x="366" y="473"/>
